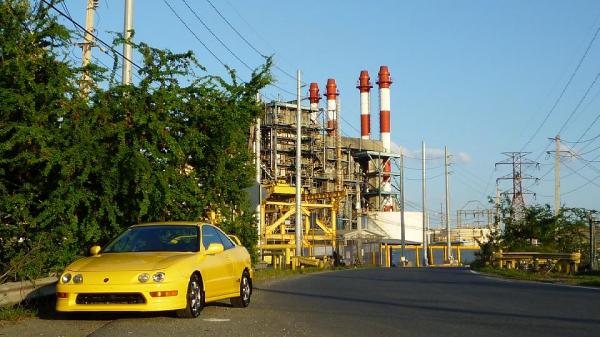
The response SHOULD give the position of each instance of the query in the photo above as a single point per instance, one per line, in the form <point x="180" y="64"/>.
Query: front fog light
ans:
<point x="66" y="278"/>
<point x="158" y="277"/>
<point x="78" y="278"/>
<point x="143" y="278"/>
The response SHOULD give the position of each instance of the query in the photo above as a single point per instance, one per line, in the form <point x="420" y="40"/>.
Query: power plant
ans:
<point x="350" y="187"/>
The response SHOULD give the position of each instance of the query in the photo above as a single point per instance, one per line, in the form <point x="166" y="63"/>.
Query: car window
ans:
<point x="210" y="235"/>
<point x="227" y="244"/>
<point x="156" y="238"/>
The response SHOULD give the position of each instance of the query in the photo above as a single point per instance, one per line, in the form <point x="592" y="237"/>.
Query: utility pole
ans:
<point x="497" y="222"/>
<point x="557" y="155"/>
<point x="449" y="246"/>
<point x="402" y="223"/>
<point x="258" y="177"/>
<point x="127" y="51"/>
<point x="557" y="176"/>
<point x="338" y="146"/>
<point x="298" y="166"/>
<point x="424" y="194"/>
<point x="88" y="43"/>
<point x="593" y="261"/>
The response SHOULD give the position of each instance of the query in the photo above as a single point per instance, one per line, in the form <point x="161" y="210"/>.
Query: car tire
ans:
<point x="194" y="299"/>
<point x="243" y="300"/>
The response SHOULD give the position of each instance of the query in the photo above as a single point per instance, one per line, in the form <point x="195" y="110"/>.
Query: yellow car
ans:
<point x="157" y="267"/>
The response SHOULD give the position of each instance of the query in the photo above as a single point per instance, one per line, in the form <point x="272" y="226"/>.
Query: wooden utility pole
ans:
<point x="88" y="43"/>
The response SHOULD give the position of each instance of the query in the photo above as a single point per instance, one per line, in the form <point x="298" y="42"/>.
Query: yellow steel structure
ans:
<point x="277" y="235"/>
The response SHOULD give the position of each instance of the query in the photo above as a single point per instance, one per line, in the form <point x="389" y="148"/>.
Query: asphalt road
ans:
<point x="367" y="302"/>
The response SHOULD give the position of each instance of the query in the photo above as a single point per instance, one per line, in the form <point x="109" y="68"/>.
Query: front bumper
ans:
<point x="68" y="303"/>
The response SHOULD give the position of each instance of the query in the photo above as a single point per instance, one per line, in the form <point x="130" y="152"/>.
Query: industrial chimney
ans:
<point x="364" y="86"/>
<point x="331" y="95"/>
<point x="384" y="83"/>
<point x="314" y="101"/>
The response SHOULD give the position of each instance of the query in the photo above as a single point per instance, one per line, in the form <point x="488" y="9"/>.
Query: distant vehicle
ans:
<point x="157" y="267"/>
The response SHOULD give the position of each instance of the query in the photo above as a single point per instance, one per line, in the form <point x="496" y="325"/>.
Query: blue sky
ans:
<point x="476" y="76"/>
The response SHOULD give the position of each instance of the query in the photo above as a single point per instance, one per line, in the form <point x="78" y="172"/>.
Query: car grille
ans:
<point x="111" y="298"/>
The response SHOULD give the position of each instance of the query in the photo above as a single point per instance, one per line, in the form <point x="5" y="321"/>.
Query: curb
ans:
<point x="17" y="292"/>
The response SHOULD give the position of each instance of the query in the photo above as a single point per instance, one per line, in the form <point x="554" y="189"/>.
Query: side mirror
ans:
<point x="235" y="239"/>
<point x="95" y="250"/>
<point x="214" y="248"/>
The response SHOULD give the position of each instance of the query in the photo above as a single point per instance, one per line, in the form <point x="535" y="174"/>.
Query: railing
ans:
<point x="437" y="255"/>
<point x="16" y="292"/>
<point x="537" y="261"/>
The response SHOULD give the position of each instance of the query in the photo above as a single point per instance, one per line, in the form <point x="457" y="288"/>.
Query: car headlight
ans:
<point x="66" y="278"/>
<point x="158" y="277"/>
<point x="144" y="277"/>
<point x="78" y="278"/>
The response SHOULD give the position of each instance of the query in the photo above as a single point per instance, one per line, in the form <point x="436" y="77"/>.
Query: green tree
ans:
<point x="76" y="169"/>
<point x="37" y="91"/>
<point x="538" y="229"/>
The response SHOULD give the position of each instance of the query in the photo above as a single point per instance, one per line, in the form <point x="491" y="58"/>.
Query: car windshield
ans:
<point x="156" y="238"/>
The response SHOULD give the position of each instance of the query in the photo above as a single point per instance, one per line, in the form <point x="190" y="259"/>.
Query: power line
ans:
<point x="215" y="36"/>
<point x="589" y="151"/>
<point x="579" y="141"/>
<point x="91" y="34"/>
<point x="420" y="158"/>
<point x="246" y="40"/>
<point x="193" y="33"/>
<point x="352" y="126"/>
<point x="558" y="99"/>
<point x="469" y="183"/>
<point x="581" y="175"/>
<point x="236" y="31"/>
<point x="421" y="169"/>
<point x="209" y="50"/>
<point x="428" y="178"/>
<point x="579" y="188"/>
<point x="579" y="103"/>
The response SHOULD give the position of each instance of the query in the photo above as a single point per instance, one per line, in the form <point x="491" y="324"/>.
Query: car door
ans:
<point x="216" y="270"/>
<point x="234" y="271"/>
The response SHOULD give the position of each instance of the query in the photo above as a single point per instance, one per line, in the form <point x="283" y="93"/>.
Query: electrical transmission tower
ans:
<point x="518" y="162"/>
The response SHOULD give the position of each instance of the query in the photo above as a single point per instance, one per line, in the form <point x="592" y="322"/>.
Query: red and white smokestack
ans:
<point x="384" y="83"/>
<point x="314" y="98"/>
<point x="331" y="95"/>
<point x="385" y="80"/>
<point x="364" y="86"/>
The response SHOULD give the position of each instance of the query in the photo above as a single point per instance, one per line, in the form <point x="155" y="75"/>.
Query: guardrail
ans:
<point x="17" y="292"/>
<point x="559" y="262"/>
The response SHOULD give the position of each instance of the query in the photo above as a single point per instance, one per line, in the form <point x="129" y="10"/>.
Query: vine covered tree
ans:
<point x="76" y="169"/>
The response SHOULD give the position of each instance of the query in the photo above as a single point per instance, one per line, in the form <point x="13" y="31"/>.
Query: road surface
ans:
<point x="364" y="302"/>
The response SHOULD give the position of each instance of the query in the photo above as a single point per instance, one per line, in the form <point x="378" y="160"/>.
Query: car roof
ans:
<point x="172" y="223"/>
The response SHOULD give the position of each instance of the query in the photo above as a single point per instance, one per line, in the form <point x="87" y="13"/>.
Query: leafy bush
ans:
<point x="536" y="229"/>
<point x="76" y="169"/>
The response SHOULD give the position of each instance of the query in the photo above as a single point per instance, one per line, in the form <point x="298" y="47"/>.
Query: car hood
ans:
<point x="138" y="261"/>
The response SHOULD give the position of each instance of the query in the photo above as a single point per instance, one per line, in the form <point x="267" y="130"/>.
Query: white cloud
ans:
<point x="463" y="157"/>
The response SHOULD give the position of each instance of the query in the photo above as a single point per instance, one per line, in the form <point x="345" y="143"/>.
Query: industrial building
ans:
<point x="350" y="202"/>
